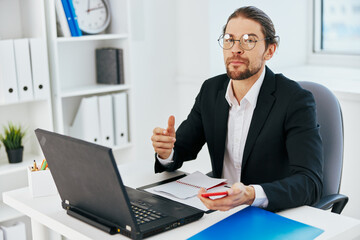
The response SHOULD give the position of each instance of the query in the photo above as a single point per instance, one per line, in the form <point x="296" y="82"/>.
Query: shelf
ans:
<point x="7" y="168"/>
<point x="93" y="89"/>
<point x="92" y="38"/>
<point x="23" y="101"/>
<point x="7" y="213"/>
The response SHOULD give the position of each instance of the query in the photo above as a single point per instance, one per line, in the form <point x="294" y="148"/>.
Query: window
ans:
<point x="337" y="26"/>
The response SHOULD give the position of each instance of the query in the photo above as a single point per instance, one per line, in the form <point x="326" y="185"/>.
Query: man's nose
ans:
<point x="237" y="49"/>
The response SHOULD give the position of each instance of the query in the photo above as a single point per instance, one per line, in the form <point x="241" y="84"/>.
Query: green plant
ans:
<point x="13" y="135"/>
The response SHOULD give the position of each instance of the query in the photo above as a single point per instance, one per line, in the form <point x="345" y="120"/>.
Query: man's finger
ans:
<point x="171" y="125"/>
<point x="159" y="131"/>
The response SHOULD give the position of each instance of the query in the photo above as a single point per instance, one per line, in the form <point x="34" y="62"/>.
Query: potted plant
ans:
<point x="12" y="140"/>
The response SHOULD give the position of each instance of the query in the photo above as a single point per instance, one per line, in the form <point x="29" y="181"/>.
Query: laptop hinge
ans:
<point x="92" y="221"/>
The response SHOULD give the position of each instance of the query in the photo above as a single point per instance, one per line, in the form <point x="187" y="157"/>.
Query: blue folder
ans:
<point x="69" y="17"/>
<point x="256" y="223"/>
<point x="74" y="18"/>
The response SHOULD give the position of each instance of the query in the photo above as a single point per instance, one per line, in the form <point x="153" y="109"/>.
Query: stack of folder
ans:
<point x="102" y="120"/>
<point x="24" y="74"/>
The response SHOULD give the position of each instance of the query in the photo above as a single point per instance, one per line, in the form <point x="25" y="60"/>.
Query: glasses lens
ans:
<point x="225" y="41"/>
<point x="247" y="42"/>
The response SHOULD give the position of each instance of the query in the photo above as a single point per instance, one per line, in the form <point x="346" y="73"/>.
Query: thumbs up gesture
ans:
<point x="163" y="139"/>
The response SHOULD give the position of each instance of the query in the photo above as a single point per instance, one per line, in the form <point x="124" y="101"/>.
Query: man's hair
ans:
<point x="257" y="15"/>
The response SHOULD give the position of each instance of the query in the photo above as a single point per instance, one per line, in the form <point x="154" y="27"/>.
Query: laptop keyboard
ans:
<point x="144" y="213"/>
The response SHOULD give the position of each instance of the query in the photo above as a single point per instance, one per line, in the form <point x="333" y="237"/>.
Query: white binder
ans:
<point x="86" y="123"/>
<point x="121" y="118"/>
<point x="16" y="231"/>
<point x="8" y="82"/>
<point x="40" y="68"/>
<point x="62" y="22"/>
<point x="23" y="69"/>
<point x="106" y="119"/>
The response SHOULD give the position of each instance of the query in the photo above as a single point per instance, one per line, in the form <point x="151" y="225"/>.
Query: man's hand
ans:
<point x="238" y="194"/>
<point x="163" y="139"/>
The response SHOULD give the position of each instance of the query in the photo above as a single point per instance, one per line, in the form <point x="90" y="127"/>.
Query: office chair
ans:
<point x="332" y="133"/>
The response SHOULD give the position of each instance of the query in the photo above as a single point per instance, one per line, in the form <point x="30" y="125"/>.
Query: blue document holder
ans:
<point x="256" y="223"/>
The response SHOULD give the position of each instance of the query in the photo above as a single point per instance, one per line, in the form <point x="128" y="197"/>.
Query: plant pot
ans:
<point x="15" y="155"/>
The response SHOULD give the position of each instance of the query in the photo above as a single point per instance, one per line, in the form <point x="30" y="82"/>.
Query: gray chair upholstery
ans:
<point x="332" y="133"/>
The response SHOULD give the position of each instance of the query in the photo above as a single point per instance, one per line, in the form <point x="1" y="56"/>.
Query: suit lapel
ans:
<point x="221" y="112"/>
<point x="263" y="106"/>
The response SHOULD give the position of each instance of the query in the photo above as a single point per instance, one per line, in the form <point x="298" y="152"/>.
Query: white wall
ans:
<point x="350" y="104"/>
<point x="153" y="68"/>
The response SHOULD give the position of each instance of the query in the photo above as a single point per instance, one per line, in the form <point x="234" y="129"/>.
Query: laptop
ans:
<point x="91" y="189"/>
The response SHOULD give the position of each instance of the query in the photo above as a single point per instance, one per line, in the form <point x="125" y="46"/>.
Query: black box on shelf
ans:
<point x="110" y="66"/>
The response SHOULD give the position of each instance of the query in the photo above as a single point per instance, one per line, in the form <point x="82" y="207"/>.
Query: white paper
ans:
<point x="189" y="186"/>
<point x="193" y="201"/>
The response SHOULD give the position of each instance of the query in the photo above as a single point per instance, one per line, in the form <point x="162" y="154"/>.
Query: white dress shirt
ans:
<point x="239" y="120"/>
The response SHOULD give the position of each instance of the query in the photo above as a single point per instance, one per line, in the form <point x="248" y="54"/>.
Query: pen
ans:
<point x="214" y="194"/>
<point x="43" y="165"/>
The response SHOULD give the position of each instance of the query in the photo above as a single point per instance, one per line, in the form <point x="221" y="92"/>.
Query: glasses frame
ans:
<point x="234" y="40"/>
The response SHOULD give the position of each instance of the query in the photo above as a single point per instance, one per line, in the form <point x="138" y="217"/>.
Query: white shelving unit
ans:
<point x="73" y="67"/>
<point x="22" y="19"/>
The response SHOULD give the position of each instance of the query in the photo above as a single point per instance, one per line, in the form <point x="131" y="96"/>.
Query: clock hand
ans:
<point x="89" y="10"/>
<point x="88" y="7"/>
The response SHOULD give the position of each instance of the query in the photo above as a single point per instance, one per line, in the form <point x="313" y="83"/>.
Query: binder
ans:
<point x="86" y="123"/>
<point x="106" y="120"/>
<point x="120" y="103"/>
<point x="23" y="69"/>
<point x="110" y="66"/>
<point x="256" y="223"/>
<point x="61" y="19"/>
<point x="74" y="18"/>
<point x="8" y="81"/>
<point x="69" y="17"/>
<point x="40" y="69"/>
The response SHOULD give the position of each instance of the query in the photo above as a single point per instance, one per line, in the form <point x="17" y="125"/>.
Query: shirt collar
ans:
<point x="251" y="96"/>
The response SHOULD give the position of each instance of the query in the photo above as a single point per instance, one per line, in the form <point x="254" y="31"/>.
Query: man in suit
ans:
<point x="260" y="127"/>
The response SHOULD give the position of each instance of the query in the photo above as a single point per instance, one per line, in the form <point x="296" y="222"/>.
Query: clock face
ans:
<point x="93" y="15"/>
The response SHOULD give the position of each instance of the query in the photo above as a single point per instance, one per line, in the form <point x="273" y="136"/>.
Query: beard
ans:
<point x="241" y="75"/>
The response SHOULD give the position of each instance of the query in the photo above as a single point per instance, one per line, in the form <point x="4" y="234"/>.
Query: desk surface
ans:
<point x="48" y="211"/>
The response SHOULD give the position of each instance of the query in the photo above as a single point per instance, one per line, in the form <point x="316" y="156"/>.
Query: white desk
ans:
<point x="47" y="215"/>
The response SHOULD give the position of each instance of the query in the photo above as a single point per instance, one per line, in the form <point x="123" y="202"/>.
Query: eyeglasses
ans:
<point x="247" y="42"/>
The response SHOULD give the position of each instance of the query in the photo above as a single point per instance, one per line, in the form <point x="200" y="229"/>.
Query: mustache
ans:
<point x="236" y="58"/>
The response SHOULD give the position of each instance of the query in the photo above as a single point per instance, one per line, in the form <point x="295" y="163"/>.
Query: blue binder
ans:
<point x="256" y="223"/>
<point x="69" y="17"/>
<point x="75" y="18"/>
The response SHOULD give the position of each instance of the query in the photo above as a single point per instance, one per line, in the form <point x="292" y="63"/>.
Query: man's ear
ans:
<point x="270" y="52"/>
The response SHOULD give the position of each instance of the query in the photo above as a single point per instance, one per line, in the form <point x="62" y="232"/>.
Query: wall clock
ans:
<point x="93" y="15"/>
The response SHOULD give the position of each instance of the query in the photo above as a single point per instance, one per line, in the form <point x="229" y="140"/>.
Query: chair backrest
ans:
<point x="330" y="119"/>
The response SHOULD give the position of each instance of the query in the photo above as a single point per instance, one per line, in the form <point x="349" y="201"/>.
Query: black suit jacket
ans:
<point x="283" y="150"/>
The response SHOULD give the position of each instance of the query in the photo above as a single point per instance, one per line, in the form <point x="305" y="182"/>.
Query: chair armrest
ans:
<point x="335" y="201"/>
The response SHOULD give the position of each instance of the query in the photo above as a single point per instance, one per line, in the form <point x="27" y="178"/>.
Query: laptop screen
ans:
<point x="87" y="177"/>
